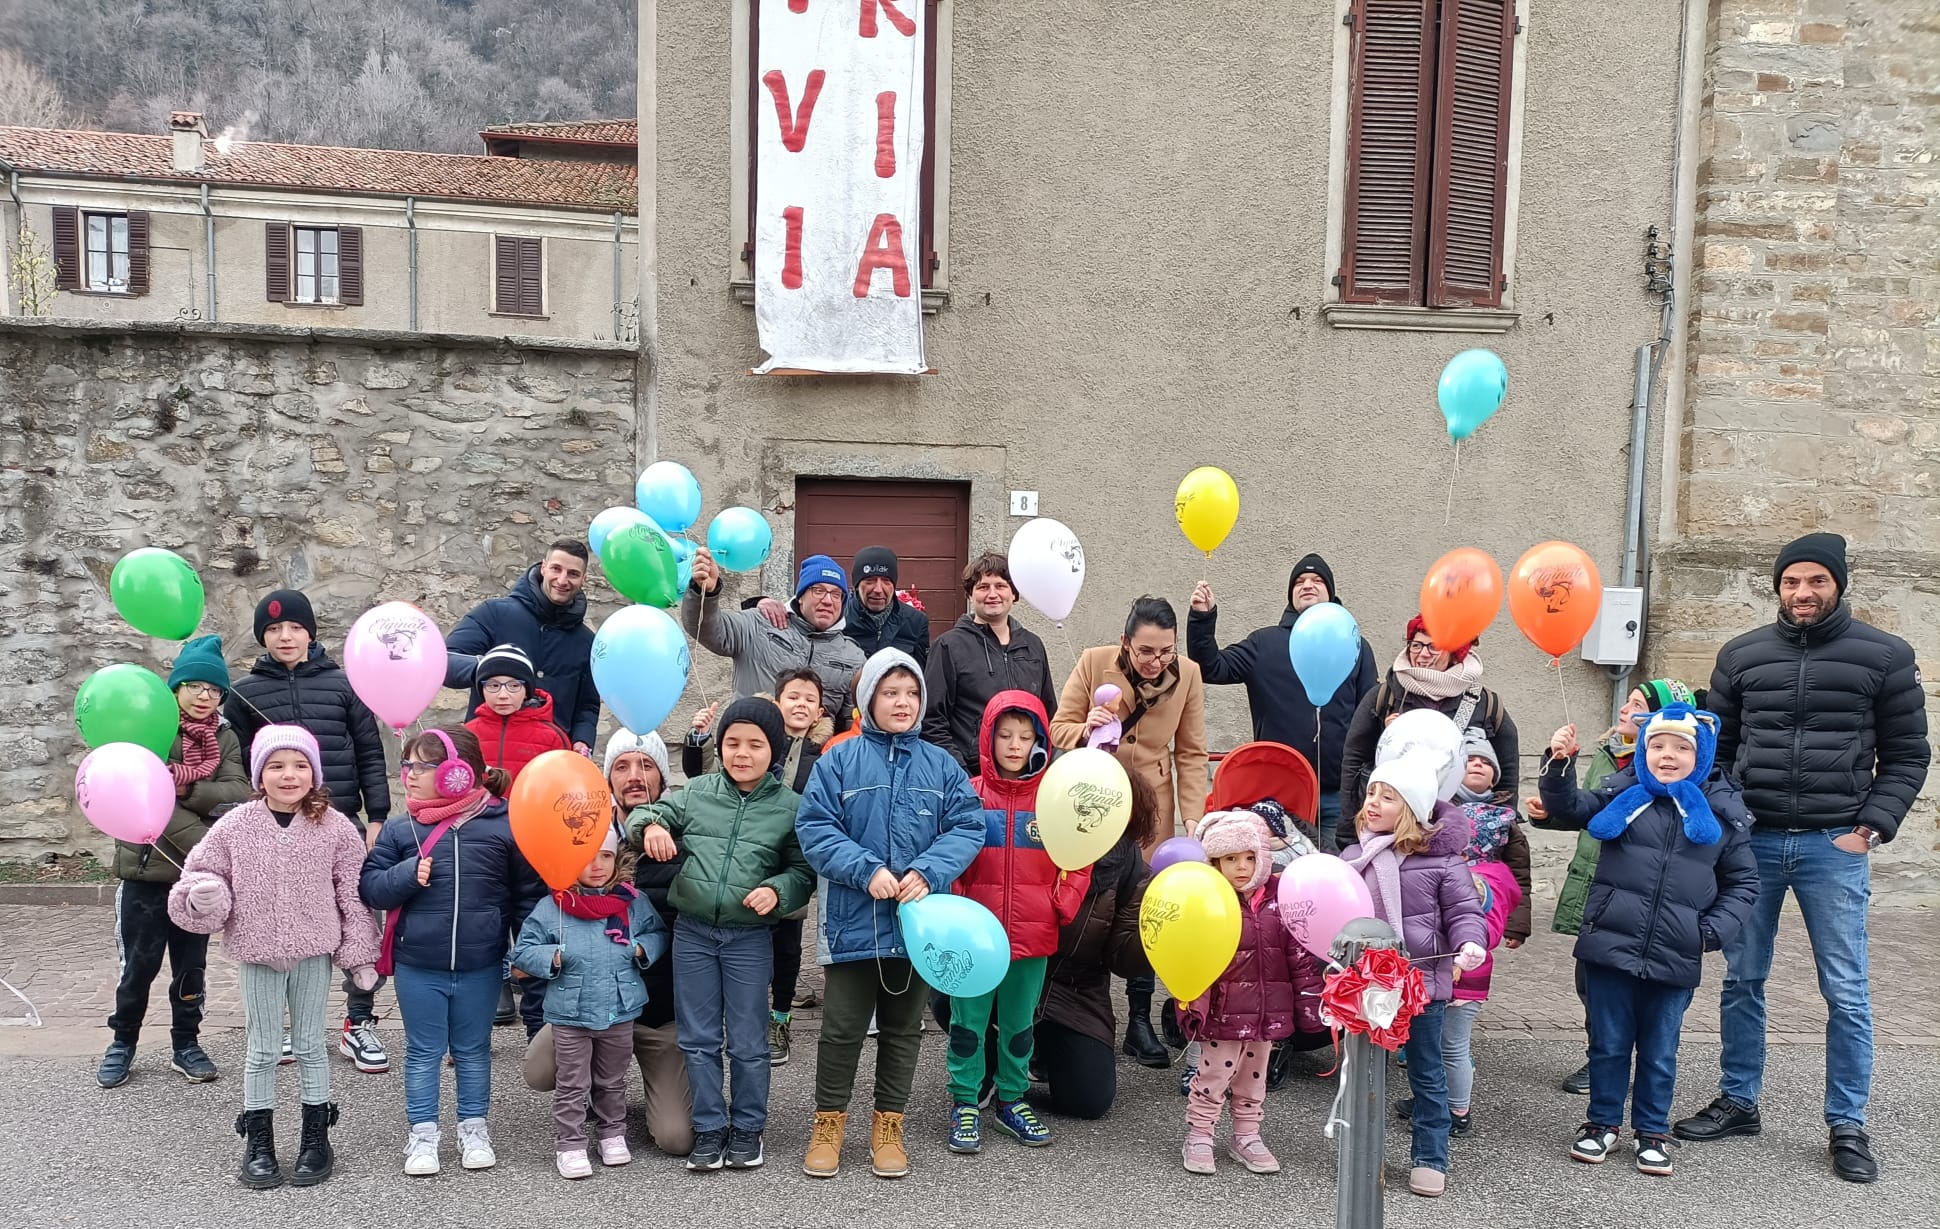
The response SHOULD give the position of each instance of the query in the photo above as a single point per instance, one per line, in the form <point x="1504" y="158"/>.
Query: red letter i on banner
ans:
<point x="886" y="134"/>
<point x="791" y="260"/>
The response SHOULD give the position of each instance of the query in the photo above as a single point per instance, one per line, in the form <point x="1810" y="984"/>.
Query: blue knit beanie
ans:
<point x="200" y="661"/>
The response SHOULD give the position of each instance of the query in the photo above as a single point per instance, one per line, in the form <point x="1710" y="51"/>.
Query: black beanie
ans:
<point x="1826" y="549"/>
<point x="875" y="561"/>
<point x="764" y="716"/>
<point x="285" y="606"/>
<point x="1318" y="566"/>
<point x="507" y="661"/>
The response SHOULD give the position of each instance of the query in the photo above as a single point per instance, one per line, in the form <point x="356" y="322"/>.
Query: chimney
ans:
<point x="189" y="132"/>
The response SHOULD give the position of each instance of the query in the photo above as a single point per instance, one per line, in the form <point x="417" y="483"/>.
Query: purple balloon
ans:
<point x="1178" y="849"/>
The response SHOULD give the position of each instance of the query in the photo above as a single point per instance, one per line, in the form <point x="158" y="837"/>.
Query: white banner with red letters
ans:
<point x="838" y="124"/>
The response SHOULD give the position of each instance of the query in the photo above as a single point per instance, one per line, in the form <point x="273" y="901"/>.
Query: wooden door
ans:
<point x="927" y="524"/>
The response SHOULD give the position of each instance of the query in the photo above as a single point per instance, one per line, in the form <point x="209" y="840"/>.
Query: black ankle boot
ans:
<point x="1140" y="1041"/>
<point x="314" y="1158"/>
<point x="259" y="1171"/>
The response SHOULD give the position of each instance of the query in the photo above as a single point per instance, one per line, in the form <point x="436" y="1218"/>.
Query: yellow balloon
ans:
<point x="1207" y="507"/>
<point x="1084" y="802"/>
<point x="1189" y="925"/>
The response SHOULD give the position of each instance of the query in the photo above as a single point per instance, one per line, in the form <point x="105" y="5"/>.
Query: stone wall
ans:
<point x="1815" y="371"/>
<point x="359" y="467"/>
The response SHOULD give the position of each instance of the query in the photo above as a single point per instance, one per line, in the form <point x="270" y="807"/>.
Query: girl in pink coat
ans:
<point x="277" y="876"/>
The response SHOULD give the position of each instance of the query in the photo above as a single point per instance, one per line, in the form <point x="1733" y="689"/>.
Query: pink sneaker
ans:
<point x="1251" y="1151"/>
<point x="1198" y="1154"/>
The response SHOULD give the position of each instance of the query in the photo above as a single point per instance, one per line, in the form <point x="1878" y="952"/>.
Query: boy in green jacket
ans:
<point x="744" y="871"/>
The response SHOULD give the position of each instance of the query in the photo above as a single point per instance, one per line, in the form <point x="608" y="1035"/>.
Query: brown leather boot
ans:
<point x="886" y="1153"/>
<point x="824" y="1158"/>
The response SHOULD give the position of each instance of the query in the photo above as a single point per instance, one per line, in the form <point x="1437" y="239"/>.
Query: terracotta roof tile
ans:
<point x="605" y="186"/>
<point x="599" y="131"/>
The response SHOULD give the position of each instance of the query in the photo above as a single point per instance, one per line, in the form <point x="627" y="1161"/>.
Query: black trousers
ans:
<point x="1080" y="1072"/>
<point x="788" y="963"/>
<point x="144" y="935"/>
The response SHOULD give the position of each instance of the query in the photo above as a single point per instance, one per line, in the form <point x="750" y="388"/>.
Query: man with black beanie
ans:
<point x="1278" y="702"/>
<point x="1822" y="720"/>
<point x="876" y="618"/>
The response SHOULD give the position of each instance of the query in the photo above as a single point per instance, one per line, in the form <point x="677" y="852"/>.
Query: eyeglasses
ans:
<point x="1418" y="648"/>
<point x="1155" y="655"/>
<point x="203" y="691"/>
<point x="496" y="686"/>
<point x="419" y="765"/>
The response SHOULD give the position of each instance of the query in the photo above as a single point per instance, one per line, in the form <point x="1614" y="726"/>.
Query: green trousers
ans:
<point x="1014" y="1004"/>
<point x="850" y="993"/>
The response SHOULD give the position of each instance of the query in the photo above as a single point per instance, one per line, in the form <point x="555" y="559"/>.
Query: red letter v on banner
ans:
<point x="794" y="131"/>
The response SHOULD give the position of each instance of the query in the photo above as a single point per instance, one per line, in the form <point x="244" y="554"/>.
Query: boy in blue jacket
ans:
<point x="886" y="819"/>
<point x="1675" y="879"/>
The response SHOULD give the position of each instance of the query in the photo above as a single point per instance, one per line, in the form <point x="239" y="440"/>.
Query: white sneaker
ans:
<point x="873" y="1030"/>
<point x="615" y="1152"/>
<point x="289" y="1053"/>
<point x="574" y="1164"/>
<point x="421" y="1150"/>
<point x="475" y="1144"/>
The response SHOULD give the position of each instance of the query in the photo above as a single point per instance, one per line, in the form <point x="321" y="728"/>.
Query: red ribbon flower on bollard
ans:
<point x="1378" y="997"/>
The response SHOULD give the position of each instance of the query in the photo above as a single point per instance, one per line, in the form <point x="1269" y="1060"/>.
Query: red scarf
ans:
<point x="443" y="814"/>
<point x="201" y="751"/>
<point x="609" y="907"/>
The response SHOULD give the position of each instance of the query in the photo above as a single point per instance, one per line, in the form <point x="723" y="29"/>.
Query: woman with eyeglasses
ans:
<point x="1160" y="711"/>
<point x="1424" y="676"/>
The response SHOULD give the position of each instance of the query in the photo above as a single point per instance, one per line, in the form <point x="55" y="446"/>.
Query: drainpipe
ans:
<point x="411" y="227"/>
<point x="649" y="102"/>
<point x="618" y="221"/>
<point x="1636" y="542"/>
<point x="19" y="221"/>
<point x="209" y="248"/>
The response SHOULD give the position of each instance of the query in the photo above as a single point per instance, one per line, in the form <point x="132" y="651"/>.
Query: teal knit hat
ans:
<point x="200" y="661"/>
<point x="1660" y="694"/>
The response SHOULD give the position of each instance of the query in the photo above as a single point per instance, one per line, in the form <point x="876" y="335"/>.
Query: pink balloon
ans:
<point x="126" y="791"/>
<point x="1319" y="894"/>
<point x="1178" y="849"/>
<point x="395" y="657"/>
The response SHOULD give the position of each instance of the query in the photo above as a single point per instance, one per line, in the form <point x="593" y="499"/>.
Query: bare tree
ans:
<point x="32" y="272"/>
<point x="27" y="98"/>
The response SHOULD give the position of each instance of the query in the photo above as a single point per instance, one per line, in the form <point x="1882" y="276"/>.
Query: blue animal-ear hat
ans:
<point x="1701" y="827"/>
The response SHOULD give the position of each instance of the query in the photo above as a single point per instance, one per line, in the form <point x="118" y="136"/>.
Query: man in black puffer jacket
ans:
<point x="875" y="618"/>
<point x="296" y="683"/>
<point x="1823" y="721"/>
<point x="544" y="614"/>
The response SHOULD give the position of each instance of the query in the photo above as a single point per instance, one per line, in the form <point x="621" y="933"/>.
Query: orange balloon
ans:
<point x="1460" y="597"/>
<point x="1554" y="594"/>
<point x="561" y="810"/>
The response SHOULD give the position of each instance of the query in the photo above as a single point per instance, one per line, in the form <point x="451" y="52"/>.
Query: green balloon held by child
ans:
<point x="127" y="704"/>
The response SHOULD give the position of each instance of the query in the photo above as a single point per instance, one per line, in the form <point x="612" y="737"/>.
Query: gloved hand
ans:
<point x="205" y="895"/>
<point x="364" y="979"/>
<point x="1469" y="957"/>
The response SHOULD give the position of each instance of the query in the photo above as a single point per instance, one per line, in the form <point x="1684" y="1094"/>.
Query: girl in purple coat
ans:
<point x="1271" y="988"/>
<point x="1421" y="888"/>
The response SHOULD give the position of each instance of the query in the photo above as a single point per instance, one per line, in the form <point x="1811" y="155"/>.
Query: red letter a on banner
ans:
<point x="794" y="131"/>
<point x="905" y="26"/>
<point x="883" y="251"/>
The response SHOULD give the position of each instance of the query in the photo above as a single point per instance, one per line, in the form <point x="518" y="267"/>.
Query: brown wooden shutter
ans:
<point x="350" y="266"/>
<point x="1472" y="153"/>
<point x="137" y="251"/>
<point x="276" y="261"/>
<point x="1390" y="113"/>
<point x="67" y="247"/>
<point x="505" y="276"/>
<point x="532" y="278"/>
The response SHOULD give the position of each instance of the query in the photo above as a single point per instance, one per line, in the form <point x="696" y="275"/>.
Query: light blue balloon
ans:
<point x="640" y="664"/>
<point x="610" y="522"/>
<point x="740" y="539"/>
<point x="684" y="556"/>
<point x="1472" y="388"/>
<point x="958" y="946"/>
<point x="669" y="493"/>
<point x="1325" y="646"/>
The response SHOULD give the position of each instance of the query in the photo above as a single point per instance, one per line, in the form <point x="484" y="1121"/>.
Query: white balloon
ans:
<point x="1048" y="566"/>
<point x="1429" y="733"/>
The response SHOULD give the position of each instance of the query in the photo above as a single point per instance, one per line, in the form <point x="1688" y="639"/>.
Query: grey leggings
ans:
<point x="1457" y="1026"/>
<point x="305" y="990"/>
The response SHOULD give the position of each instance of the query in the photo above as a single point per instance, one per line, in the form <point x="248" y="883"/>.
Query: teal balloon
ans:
<point x="1472" y="388"/>
<point x="127" y="704"/>
<point x="740" y="539"/>
<point x="639" y="562"/>
<point x="607" y="523"/>
<point x="684" y="556"/>
<point x="958" y="946"/>
<point x="669" y="493"/>
<point x="640" y="665"/>
<point x="1325" y="646"/>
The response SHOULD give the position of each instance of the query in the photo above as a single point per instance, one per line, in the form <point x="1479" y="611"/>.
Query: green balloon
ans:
<point x="157" y="592"/>
<point x="640" y="563"/>
<point x="127" y="704"/>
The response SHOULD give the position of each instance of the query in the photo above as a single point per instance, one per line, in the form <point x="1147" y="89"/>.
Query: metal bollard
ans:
<point x="1364" y="1097"/>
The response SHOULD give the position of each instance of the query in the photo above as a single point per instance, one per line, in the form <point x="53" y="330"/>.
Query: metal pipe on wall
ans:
<point x="209" y="252"/>
<point x="649" y="209"/>
<point x="411" y="229"/>
<point x="618" y="222"/>
<point x="19" y="223"/>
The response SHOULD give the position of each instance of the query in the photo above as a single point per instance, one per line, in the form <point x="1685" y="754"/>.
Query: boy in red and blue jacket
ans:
<point x="1015" y="879"/>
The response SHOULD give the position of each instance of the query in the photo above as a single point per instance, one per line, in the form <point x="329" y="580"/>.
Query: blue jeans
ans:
<point x="1429" y="1080"/>
<point x="1833" y="889"/>
<point x="1630" y="1014"/>
<point x="721" y="975"/>
<point x="447" y="1012"/>
<point x="1325" y="836"/>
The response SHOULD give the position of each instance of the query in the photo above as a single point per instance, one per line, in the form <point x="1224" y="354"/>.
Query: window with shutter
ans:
<point x="350" y="266"/>
<point x="276" y="261"/>
<point x="518" y="276"/>
<point x="138" y="263"/>
<point x="104" y="248"/>
<point x="1426" y="173"/>
<point x="67" y="247"/>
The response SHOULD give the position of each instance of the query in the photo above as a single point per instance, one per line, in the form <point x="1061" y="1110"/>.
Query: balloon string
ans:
<point x="694" y="642"/>
<point x="157" y="847"/>
<point x="1561" y="689"/>
<point x="1064" y="634"/>
<point x="1336" y="1120"/>
<point x="1449" y="509"/>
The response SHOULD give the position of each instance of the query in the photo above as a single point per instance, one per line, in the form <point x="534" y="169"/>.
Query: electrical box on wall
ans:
<point x="1614" y="638"/>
